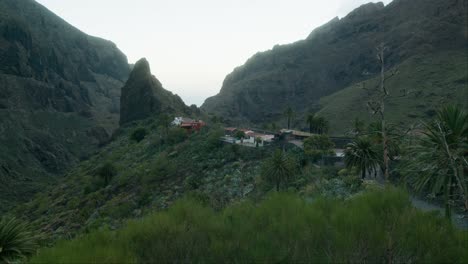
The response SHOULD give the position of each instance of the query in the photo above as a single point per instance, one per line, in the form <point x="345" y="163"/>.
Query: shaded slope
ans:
<point x="59" y="96"/>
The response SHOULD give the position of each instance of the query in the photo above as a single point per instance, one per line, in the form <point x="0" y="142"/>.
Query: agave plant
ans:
<point x="17" y="242"/>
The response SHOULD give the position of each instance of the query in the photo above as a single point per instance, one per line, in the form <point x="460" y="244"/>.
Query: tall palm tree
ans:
<point x="310" y="119"/>
<point x="279" y="168"/>
<point x="289" y="113"/>
<point x="317" y="124"/>
<point x="361" y="154"/>
<point x="321" y="125"/>
<point x="16" y="241"/>
<point x="439" y="161"/>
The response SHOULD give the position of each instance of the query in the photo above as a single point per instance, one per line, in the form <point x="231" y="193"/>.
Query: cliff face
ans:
<point x="143" y="96"/>
<point x="337" y="55"/>
<point x="59" y="96"/>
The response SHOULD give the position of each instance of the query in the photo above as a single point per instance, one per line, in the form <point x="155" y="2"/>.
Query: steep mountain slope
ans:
<point x="149" y="176"/>
<point x="338" y="55"/>
<point x="59" y="96"/>
<point x="143" y="96"/>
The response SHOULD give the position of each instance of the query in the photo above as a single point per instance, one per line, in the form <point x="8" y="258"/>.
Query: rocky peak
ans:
<point x="365" y="10"/>
<point x="140" y="69"/>
<point x="143" y="96"/>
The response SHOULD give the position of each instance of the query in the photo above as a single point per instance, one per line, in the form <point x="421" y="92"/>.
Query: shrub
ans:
<point x="138" y="134"/>
<point x="176" y="135"/>
<point x="374" y="227"/>
<point x="161" y="168"/>
<point x="106" y="172"/>
<point x="318" y="146"/>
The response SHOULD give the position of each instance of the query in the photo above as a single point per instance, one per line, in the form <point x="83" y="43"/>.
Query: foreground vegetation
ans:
<point x="148" y="167"/>
<point x="377" y="226"/>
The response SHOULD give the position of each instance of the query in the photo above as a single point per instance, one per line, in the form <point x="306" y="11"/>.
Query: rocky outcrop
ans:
<point x="337" y="55"/>
<point x="143" y="96"/>
<point x="59" y="96"/>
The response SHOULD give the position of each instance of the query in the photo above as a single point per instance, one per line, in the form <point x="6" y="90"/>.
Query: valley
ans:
<point x="348" y="146"/>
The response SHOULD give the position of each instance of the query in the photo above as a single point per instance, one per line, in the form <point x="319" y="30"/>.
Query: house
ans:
<point x="295" y="134"/>
<point x="188" y="124"/>
<point x="230" y="131"/>
<point x="264" y="138"/>
<point x="179" y="120"/>
<point x="194" y="125"/>
<point x="250" y="138"/>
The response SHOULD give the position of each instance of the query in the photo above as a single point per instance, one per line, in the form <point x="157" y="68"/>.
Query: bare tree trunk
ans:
<point x="382" y="112"/>
<point x="448" y="188"/>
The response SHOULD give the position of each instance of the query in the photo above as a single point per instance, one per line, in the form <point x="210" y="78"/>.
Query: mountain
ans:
<point x="59" y="97"/>
<point x="340" y="54"/>
<point x="423" y="84"/>
<point x="143" y="96"/>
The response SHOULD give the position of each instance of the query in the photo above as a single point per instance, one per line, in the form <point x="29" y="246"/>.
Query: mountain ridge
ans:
<point x="335" y="56"/>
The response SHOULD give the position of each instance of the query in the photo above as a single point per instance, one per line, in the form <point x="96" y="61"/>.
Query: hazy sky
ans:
<point x="193" y="44"/>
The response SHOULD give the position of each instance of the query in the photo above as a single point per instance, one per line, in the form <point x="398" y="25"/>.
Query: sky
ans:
<point x="193" y="44"/>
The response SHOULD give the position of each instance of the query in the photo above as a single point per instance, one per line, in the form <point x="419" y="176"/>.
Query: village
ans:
<point x="250" y="137"/>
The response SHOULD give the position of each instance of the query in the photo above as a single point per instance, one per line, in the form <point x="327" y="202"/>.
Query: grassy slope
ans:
<point x="433" y="80"/>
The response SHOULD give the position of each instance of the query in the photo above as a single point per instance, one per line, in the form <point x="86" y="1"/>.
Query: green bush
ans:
<point x="318" y="146"/>
<point x="162" y="168"/>
<point x="176" y="135"/>
<point x="139" y="134"/>
<point x="106" y="172"/>
<point x="374" y="227"/>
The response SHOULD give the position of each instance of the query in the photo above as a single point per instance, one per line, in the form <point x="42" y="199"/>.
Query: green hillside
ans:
<point x="430" y="81"/>
<point x="149" y="175"/>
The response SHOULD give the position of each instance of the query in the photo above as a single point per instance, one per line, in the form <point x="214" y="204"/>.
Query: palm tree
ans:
<point x="310" y="119"/>
<point x="439" y="161"/>
<point x="16" y="241"/>
<point x="317" y="124"/>
<point x="289" y="113"/>
<point x="279" y="168"/>
<point x="361" y="154"/>
<point x="321" y="125"/>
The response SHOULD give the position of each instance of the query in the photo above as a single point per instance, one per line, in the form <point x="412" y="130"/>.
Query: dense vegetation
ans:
<point x="375" y="227"/>
<point x="154" y="192"/>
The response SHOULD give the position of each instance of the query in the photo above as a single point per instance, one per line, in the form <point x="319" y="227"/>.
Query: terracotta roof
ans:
<point x="230" y="128"/>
